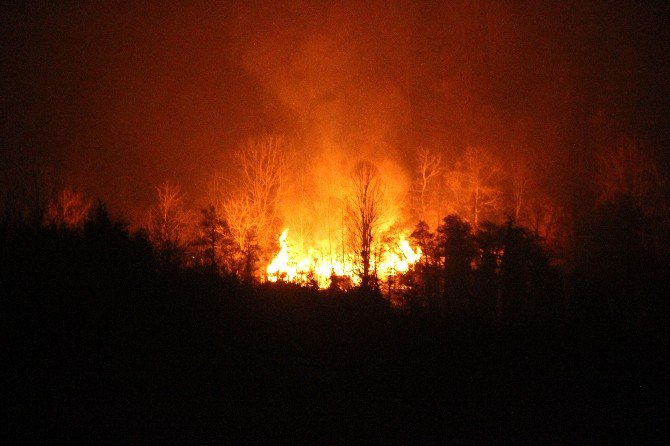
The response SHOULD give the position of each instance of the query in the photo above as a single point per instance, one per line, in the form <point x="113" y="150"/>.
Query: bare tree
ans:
<point x="68" y="209"/>
<point x="475" y="186"/>
<point x="542" y="216"/>
<point x="263" y="176"/>
<point x="239" y="212"/>
<point x="532" y="207"/>
<point x="242" y="225"/>
<point x="169" y="222"/>
<point x="520" y="182"/>
<point x="364" y="209"/>
<point x="429" y="168"/>
<point x="627" y="171"/>
<point x="250" y="200"/>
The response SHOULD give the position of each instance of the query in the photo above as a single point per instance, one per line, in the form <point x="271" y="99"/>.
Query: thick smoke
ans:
<point x="120" y="98"/>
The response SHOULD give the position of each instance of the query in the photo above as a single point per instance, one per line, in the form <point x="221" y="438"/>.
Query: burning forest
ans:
<point x="337" y="222"/>
<point x="342" y="223"/>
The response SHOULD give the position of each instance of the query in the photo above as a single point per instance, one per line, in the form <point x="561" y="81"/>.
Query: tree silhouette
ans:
<point x="513" y="269"/>
<point x="622" y="275"/>
<point x="430" y="168"/>
<point x="250" y="257"/>
<point x="428" y="270"/>
<point x="475" y="186"/>
<point x="364" y="208"/>
<point x="251" y="200"/>
<point x="521" y="184"/>
<point x="214" y="244"/>
<point x="488" y="269"/>
<point x="168" y="224"/>
<point x="457" y="249"/>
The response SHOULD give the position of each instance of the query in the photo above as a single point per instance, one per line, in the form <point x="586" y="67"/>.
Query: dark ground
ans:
<point x="101" y="348"/>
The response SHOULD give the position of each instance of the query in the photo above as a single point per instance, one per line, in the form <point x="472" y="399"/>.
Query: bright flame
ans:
<point x="410" y="256"/>
<point x="280" y="262"/>
<point x="289" y="265"/>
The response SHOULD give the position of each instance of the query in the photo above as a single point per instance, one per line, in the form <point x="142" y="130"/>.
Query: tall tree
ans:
<point x="513" y="270"/>
<point x="364" y="210"/>
<point x="543" y="217"/>
<point x="475" y="186"/>
<point x="428" y="270"/>
<point x="430" y="168"/>
<point x="168" y="223"/>
<point x="491" y="249"/>
<point x="250" y="201"/>
<point x="458" y="250"/>
<point x="242" y="221"/>
<point x="521" y="185"/>
<point x="213" y="242"/>
<point x="263" y="172"/>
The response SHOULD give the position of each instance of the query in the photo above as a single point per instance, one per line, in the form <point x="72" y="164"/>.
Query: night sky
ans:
<point x="117" y="98"/>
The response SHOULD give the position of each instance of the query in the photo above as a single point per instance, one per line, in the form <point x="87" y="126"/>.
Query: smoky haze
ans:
<point x="120" y="98"/>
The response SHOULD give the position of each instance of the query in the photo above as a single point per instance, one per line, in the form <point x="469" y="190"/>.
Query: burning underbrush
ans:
<point x="324" y="267"/>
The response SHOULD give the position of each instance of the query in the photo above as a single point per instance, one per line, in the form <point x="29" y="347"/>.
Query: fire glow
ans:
<point x="296" y="266"/>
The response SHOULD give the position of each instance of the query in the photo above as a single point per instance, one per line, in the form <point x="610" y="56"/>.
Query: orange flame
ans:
<point x="290" y="265"/>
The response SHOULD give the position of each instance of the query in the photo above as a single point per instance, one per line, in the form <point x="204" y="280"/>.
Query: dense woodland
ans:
<point x="140" y="335"/>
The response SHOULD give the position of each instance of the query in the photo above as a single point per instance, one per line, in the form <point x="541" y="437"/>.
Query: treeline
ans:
<point x="108" y="336"/>
<point x="499" y="272"/>
<point x="612" y="265"/>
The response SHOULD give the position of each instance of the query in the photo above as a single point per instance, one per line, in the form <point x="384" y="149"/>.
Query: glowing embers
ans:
<point x="314" y="267"/>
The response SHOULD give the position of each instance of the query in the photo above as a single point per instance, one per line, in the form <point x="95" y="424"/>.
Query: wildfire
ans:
<point x="294" y="265"/>
<point x="281" y="260"/>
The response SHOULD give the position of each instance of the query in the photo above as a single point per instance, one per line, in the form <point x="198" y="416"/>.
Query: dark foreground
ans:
<point x="104" y="350"/>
